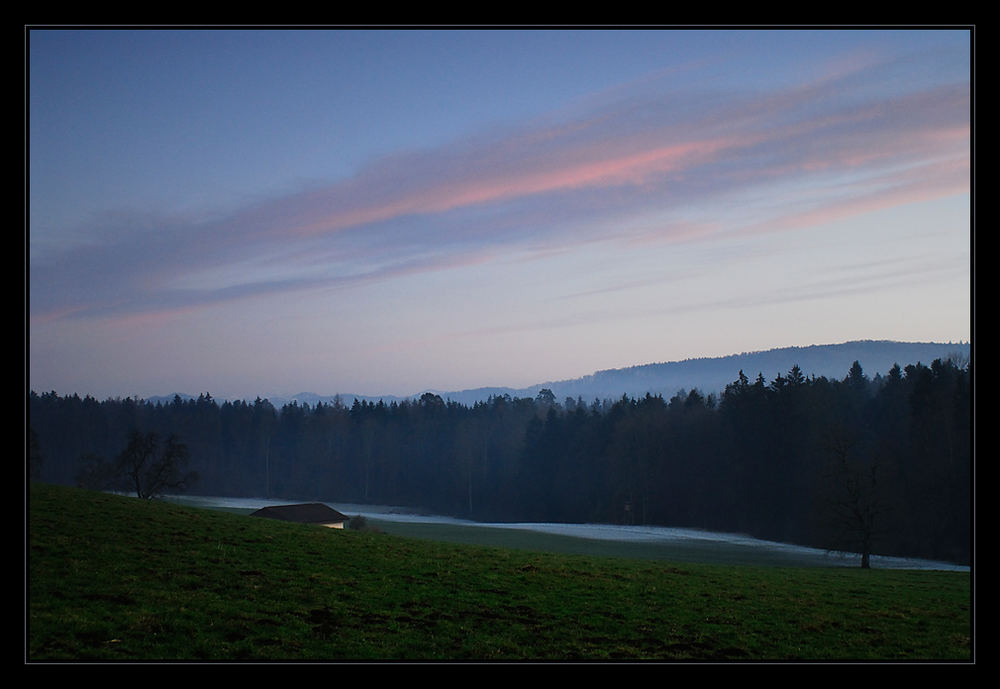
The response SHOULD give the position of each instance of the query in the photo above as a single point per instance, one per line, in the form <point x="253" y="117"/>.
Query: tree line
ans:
<point x="859" y="463"/>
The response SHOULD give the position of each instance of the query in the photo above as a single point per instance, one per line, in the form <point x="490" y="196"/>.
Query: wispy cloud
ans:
<point x="863" y="279"/>
<point x="808" y="154"/>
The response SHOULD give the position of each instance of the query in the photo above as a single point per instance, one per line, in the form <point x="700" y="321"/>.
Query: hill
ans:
<point x="712" y="374"/>
<point x="707" y="374"/>
<point x="116" y="579"/>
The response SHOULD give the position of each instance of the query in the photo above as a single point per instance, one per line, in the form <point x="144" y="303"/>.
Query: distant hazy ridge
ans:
<point x="709" y="375"/>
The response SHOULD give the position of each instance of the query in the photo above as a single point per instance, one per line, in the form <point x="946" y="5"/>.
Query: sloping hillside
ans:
<point x="713" y="374"/>
<point x="115" y="579"/>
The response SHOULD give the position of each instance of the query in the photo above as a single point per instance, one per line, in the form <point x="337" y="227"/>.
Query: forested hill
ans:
<point x="777" y="444"/>
<point x="711" y="375"/>
<point x="882" y="461"/>
<point x="706" y="374"/>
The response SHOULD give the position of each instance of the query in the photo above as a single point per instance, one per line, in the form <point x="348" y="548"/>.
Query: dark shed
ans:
<point x="308" y="513"/>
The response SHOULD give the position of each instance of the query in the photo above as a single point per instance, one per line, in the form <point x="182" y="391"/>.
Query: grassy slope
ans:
<point x="112" y="578"/>
<point x="717" y="552"/>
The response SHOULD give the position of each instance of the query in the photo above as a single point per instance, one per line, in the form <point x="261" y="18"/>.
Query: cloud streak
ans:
<point x="911" y="272"/>
<point x="802" y="155"/>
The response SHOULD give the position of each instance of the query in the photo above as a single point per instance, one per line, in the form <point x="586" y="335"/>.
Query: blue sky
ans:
<point x="265" y="212"/>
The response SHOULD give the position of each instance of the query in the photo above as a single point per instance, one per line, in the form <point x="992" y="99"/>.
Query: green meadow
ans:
<point x="116" y="579"/>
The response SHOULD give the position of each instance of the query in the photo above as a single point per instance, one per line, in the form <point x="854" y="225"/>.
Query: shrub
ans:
<point x="359" y="523"/>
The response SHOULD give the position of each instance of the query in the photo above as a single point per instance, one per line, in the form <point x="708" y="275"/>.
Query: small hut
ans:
<point x="308" y="513"/>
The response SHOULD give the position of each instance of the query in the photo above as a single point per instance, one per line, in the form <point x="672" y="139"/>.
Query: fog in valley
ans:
<point x="873" y="464"/>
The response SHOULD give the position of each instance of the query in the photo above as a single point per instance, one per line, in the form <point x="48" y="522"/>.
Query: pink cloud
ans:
<point x="924" y="183"/>
<point x="632" y="168"/>
<point x="773" y="136"/>
<point x="551" y="186"/>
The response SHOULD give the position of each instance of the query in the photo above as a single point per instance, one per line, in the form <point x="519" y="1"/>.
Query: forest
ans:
<point x="879" y="464"/>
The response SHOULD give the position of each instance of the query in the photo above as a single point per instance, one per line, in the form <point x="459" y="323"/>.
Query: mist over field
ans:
<point x="877" y="465"/>
<point x="656" y="542"/>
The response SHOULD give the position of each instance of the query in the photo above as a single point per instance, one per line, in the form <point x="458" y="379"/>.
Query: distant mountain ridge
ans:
<point x="707" y="374"/>
<point x="712" y="374"/>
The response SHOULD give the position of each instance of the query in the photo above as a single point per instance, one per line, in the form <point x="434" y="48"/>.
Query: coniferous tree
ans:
<point x="756" y="460"/>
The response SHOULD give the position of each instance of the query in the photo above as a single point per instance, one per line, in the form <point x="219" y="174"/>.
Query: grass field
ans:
<point x="117" y="579"/>
<point x="680" y="550"/>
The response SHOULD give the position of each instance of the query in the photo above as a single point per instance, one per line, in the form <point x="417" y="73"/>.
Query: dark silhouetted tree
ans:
<point x="144" y="466"/>
<point x="854" y="502"/>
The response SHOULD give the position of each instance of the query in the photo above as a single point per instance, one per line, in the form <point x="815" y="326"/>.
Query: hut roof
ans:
<point x="308" y="513"/>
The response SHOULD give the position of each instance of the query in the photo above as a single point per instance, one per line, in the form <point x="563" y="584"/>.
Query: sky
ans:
<point x="263" y="212"/>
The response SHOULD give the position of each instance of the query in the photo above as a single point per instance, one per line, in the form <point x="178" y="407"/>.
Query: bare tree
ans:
<point x="854" y="498"/>
<point x="143" y="466"/>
